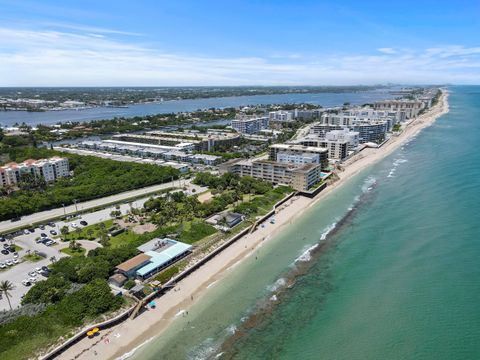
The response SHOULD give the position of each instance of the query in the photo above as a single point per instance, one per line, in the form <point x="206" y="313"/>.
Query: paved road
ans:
<point x="6" y="226"/>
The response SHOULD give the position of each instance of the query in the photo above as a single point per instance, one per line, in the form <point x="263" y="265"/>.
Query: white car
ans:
<point x="2" y="266"/>
<point x="15" y="261"/>
<point x="26" y="232"/>
<point x="26" y="282"/>
<point x="74" y="225"/>
<point x="38" y="270"/>
<point x="9" y="262"/>
<point x="50" y="242"/>
<point x="15" y="256"/>
<point x="32" y="279"/>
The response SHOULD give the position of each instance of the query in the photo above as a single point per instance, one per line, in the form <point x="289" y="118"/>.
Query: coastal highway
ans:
<point x="6" y="226"/>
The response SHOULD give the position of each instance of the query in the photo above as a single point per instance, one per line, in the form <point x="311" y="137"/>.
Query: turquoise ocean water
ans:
<point x="386" y="268"/>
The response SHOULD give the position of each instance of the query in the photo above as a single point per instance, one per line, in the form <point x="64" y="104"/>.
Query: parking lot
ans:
<point x="18" y="272"/>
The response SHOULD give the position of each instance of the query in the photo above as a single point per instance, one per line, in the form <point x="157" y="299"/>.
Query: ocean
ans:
<point x="387" y="267"/>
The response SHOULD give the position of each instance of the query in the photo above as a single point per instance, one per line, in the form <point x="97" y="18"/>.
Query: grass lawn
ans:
<point x="124" y="238"/>
<point x="90" y="232"/>
<point x="79" y="252"/>
<point x="33" y="257"/>
<point x="189" y="232"/>
<point x="193" y="231"/>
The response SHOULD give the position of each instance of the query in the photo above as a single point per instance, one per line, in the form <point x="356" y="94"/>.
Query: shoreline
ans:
<point x="132" y="334"/>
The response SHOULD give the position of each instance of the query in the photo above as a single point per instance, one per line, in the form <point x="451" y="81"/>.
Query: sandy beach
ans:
<point x="122" y="338"/>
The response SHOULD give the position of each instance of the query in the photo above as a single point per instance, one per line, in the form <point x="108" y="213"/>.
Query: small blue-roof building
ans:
<point x="162" y="253"/>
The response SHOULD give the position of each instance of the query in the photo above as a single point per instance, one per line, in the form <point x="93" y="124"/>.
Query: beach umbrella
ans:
<point x="90" y="333"/>
<point x="95" y="330"/>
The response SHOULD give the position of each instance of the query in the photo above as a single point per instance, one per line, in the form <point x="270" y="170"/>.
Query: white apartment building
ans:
<point x="49" y="169"/>
<point x="372" y="131"/>
<point x="299" y="114"/>
<point x="320" y="130"/>
<point x="281" y="116"/>
<point x="300" y="150"/>
<point x="250" y="124"/>
<point x="336" y="149"/>
<point x="351" y="137"/>
<point x="304" y="158"/>
<point x="407" y="109"/>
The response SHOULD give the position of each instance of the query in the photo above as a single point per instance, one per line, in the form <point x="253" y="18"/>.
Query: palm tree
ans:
<point x="64" y="231"/>
<point x="5" y="288"/>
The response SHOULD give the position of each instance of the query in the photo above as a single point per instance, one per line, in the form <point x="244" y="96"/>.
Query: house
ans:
<point x="227" y="218"/>
<point x="117" y="280"/>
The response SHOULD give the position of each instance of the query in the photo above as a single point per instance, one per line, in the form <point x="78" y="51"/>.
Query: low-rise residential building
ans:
<point x="299" y="176"/>
<point x="250" y="124"/>
<point x="48" y="169"/>
<point x="212" y="140"/>
<point x="164" y="152"/>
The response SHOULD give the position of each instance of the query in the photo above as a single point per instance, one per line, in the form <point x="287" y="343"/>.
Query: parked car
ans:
<point x="4" y="252"/>
<point x="45" y="273"/>
<point x="9" y="262"/>
<point x="15" y="255"/>
<point x="6" y="246"/>
<point x="83" y="223"/>
<point x="26" y="232"/>
<point x="49" y="242"/>
<point x="26" y="282"/>
<point x="51" y="224"/>
<point x="53" y="232"/>
<point x="38" y="270"/>
<point x="32" y="279"/>
<point x="2" y="266"/>
<point x="32" y="274"/>
<point x="42" y="227"/>
<point x="39" y="240"/>
<point x="74" y="225"/>
<point x="43" y="235"/>
<point x="15" y="261"/>
<point x="44" y="268"/>
<point x="12" y="249"/>
<point x="2" y="239"/>
<point x="31" y="230"/>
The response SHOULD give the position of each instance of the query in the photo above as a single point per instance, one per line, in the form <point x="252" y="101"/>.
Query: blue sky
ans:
<point x="184" y="42"/>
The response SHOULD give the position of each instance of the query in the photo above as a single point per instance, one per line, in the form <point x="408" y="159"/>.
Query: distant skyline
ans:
<point x="201" y="43"/>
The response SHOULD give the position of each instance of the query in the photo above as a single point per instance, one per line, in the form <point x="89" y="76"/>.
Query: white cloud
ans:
<point x="93" y="58"/>
<point x="387" y="50"/>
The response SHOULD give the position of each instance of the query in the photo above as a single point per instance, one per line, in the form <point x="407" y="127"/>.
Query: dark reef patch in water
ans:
<point x="259" y="318"/>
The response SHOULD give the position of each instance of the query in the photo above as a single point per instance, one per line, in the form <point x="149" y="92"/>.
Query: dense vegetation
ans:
<point x="76" y="291"/>
<point x="92" y="178"/>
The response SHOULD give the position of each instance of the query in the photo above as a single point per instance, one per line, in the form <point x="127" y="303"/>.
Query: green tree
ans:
<point x="64" y="231"/>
